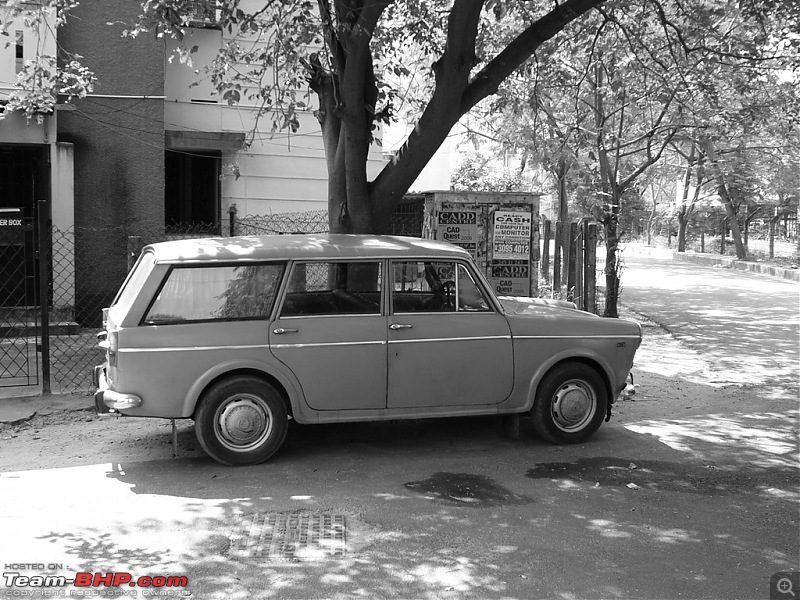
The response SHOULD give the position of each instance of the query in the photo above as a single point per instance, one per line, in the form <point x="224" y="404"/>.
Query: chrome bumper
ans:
<point x="107" y="400"/>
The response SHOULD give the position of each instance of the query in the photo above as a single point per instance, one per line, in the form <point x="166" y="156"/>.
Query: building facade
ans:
<point x="151" y="151"/>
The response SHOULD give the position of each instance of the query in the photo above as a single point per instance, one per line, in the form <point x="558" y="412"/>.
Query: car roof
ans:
<point x="301" y="247"/>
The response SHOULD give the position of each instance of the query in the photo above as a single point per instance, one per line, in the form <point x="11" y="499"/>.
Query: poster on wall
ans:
<point x="460" y="227"/>
<point x="510" y="267"/>
<point x="512" y="235"/>
<point x="510" y="277"/>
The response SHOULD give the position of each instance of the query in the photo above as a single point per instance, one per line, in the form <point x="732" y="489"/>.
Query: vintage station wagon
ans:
<point x="243" y="334"/>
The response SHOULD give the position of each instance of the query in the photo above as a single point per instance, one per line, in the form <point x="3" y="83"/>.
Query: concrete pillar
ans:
<point x="63" y="216"/>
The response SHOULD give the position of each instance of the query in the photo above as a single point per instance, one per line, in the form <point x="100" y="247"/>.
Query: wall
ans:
<point x="277" y="173"/>
<point x="118" y="136"/>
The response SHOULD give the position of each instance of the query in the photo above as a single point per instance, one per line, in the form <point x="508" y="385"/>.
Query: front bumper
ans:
<point x="107" y="400"/>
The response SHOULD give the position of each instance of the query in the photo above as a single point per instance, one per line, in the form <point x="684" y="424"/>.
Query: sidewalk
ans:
<point x="18" y="409"/>
<point x="714" y="260"/>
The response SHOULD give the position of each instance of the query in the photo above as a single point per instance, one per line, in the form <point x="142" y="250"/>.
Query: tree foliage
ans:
<point x="595" y="92"/>
<point x="354" y="56"/>
<point x="49" y="74"/>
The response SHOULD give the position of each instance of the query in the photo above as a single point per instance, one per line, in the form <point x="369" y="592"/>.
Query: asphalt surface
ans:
<point x="691" y="491"/>
<point x="746" y="324"/>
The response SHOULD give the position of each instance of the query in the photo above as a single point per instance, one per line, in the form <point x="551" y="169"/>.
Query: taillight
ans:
<point x="113" y="345"/>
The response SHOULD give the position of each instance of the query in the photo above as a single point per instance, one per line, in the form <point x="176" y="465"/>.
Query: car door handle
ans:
<point x="396" y="326"/>
<point x="280" y="330"/>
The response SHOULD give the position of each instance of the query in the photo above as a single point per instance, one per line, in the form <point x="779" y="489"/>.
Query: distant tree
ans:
<point x="476" y="173"/>
<point x="694" y="178"/>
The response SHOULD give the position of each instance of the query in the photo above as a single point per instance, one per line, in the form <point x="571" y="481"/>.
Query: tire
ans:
<point x="570" y="403"/>
<point x="241" y="421"/>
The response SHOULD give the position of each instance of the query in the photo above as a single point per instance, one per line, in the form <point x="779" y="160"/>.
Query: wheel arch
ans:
<point x="589" y="361"/>
<point x="279" y="385"/>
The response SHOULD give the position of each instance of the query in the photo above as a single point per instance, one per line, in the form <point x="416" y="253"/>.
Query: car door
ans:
<point x="447" y="344"/>
<point x="331" y="332"/>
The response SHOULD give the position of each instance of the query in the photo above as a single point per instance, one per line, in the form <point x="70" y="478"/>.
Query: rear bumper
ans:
<point x="107" y="400"/>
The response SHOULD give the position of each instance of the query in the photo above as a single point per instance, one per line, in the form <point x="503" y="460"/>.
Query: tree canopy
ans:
<point x="598" y="92"/>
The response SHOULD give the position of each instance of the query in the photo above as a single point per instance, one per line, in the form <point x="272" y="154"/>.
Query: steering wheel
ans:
<point x="449" y="288"/>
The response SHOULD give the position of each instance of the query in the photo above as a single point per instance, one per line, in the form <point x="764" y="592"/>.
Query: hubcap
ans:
<point x="574" y="405"/>
<point x="243" y="422"/>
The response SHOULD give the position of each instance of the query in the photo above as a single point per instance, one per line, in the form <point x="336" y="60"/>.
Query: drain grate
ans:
<point x="295" y="536"/>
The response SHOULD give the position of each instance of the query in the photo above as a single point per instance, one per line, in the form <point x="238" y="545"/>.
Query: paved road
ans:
<point x="690" y="492"/>
<point x="747" y="325"/>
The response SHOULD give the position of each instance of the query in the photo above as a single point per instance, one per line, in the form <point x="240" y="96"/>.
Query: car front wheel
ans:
<point x="570" y="403"/>
<point x="241" y="421"/>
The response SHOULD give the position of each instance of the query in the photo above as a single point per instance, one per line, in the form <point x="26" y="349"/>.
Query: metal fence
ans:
<point x="784" y="249"/>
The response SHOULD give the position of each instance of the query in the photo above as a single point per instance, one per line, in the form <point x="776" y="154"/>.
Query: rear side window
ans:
<point x="333" y="288"/>
<point x="195" y="293"/>
<point x="134" y="282"/>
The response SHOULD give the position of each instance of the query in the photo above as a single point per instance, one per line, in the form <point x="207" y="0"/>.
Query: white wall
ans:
<point x="278" y="173"/>
<point x="34" y="42"/>
<point x="436" y="174"/>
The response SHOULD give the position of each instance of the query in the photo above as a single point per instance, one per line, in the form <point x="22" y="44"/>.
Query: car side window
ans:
<point x="433" y="286"/>
<point x="469" y="294"/>
<point x="333" y="288"/>
<point x="422" y="286"/>
<point x="208" y="293"/>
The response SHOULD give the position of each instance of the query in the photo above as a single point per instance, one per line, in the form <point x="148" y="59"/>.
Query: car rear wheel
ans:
<point x="570" y="403"/>
<point x="241" y="421"/>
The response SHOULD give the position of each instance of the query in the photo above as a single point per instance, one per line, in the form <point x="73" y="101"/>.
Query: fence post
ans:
<point x="580" y="241"/>
<point x="702" y="240"/>
<point x="135" y="245"/>
<point x="44" y="289"/>
<point x="557" y="260"/>
<point x="573" y="239"/>
<point x="546" y="249"/>
<point x="590" y="266"/>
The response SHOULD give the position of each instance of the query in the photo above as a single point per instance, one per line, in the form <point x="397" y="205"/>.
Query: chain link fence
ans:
<point x="89" y="264"/>
<point x="18" y="312"/>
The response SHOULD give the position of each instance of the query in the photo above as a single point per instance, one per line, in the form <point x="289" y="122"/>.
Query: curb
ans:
<point x="710" y="260"/>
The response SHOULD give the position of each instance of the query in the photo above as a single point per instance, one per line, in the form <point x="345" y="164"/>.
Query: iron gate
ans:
<point x="19" y="312"/>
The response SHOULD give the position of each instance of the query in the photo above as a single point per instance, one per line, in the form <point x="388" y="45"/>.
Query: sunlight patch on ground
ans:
<point x="96" y="501"/>
<point x="771" y="435"/>
<point x="661" y="354"/>
<point x="457" y="576"/>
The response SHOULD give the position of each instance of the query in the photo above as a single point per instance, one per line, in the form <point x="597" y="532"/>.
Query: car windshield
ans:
<point x="133" y="283"/>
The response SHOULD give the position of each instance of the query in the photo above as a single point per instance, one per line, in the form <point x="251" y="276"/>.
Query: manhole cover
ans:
<point x="297" y="536"/>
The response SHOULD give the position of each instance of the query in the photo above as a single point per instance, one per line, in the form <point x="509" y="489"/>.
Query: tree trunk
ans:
<point x="722" y="190"/>
<point x="652" y="223"/>
<point x="563" y="208"/>
<point x="612" y="267"/>
<point x="687" y="206"/>
<point x="772" y="237"/>
<point x="683" y="221"/>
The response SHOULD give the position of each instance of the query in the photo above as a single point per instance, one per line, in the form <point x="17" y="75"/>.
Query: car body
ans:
<point x="243" y="333"/>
